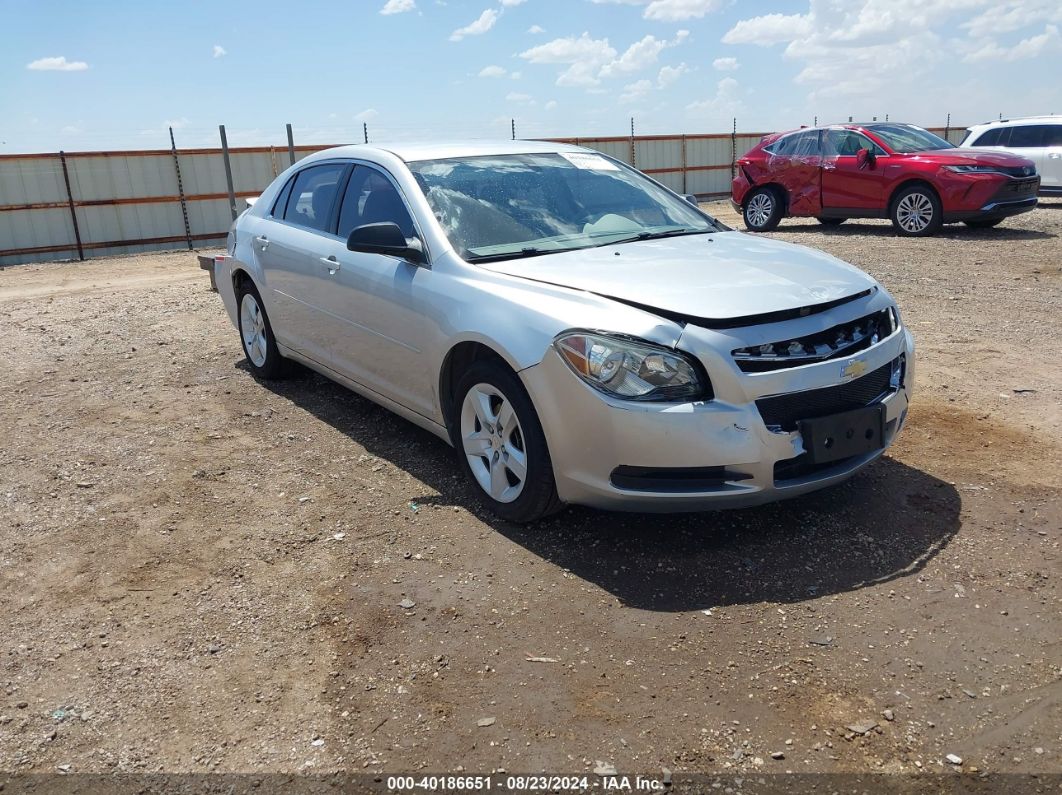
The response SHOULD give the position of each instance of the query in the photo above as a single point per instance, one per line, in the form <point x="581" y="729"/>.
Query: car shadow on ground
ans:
<point x="952" y="231"/>
<point x="885" y="523"/>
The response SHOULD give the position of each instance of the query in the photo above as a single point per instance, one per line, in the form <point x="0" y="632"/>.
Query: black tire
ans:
<point x="763" y="210"/>
<point x="916" y="212"/>
<point x="831" y="221"/>
<point x="273" y="365"/>
<point x="537" y="496"/>
<point x="983" y="223"/>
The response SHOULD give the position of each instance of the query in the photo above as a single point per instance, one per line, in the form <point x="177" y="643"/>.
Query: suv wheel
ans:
<point x="762" y="210"/>
<point x="916" y="212"/>
<point x="257" y="334"/>
<point x="501" y="445"/>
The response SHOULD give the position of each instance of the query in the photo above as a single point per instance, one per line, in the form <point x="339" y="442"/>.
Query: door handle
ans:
<point x="332" y="264"/>
<point x="829" y="168"/>
<point x="262" y="241"/>
<point x="1054" y="155"/>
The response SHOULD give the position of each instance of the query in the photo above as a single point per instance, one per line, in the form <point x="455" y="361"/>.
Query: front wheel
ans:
<point x="501" y="445"/>
<point x="763" y="210"/>
<point x="916" y="212"/>
<point x="983" y="224"/>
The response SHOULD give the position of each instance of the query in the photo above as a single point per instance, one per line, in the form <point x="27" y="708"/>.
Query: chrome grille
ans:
<point x="843" y="339"/>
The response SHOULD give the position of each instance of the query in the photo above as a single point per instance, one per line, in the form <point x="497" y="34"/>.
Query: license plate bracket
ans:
<point x="844" y="435"/>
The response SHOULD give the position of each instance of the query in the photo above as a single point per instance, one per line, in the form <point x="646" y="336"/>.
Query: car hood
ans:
<point x="974" y="157"/>
<point x="720" y="276"/>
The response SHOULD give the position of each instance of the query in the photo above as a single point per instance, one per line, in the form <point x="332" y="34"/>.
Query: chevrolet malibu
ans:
<point x="579" y="333"/>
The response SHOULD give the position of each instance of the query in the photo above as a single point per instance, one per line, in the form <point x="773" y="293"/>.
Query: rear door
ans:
<point x="287" y="245"/>
<point x="846" y="186"/>
<point x="794" y="162"/>
<point x="1031" y="141"/>
<point x="1051" y="170"/>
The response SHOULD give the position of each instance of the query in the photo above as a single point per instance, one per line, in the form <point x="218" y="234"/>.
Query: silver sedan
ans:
<point x="578" y="332"/>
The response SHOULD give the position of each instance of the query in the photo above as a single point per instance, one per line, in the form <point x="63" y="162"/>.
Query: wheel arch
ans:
<point x="910" y="182"/>
<point x="776" y="187"/>
<point x="460" y="356"/>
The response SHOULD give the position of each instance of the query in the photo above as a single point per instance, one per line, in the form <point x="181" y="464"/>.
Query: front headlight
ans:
<point x="974" y="169"/>
<point x="632" y="369"/>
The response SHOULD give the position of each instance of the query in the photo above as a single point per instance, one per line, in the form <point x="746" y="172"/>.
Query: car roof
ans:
<point x="1050" y="118"/>
<point x="411" y="151"/>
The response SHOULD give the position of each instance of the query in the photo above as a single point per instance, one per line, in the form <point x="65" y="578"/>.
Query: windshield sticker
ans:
<point x="590" y="161"/>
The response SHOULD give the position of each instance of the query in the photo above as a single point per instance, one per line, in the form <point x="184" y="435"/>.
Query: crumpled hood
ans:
<point x="973" y="157"/>
<point x="716" y="276"/>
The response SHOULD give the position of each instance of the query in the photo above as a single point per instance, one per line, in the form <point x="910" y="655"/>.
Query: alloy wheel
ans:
<point x="914" y="212"/>
<point x="493" y="442"/>
<point x="252" y="326"/>
<point x="759" y="209"/>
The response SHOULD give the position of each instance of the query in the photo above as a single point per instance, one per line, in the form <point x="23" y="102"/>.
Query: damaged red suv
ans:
<point x="881" y="170"/>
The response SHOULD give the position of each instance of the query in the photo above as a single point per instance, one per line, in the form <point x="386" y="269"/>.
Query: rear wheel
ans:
<point x="256" y="334"/>
<point x="831" y="221"/>
<point x="500" y="443"/>
<point x="763" y="210"/>
<point x="983" y="223"/>
<point x="916" y="212"/>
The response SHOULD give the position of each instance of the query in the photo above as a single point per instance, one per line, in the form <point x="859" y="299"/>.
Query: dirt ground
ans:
<point x="199" y="572"/>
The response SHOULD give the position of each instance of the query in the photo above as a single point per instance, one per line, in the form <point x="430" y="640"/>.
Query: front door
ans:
<point x="374" y="304"/>
<point x="846" y="186"/>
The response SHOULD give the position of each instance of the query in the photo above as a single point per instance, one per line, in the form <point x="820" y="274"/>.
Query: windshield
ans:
<point x="908" y="138"/>
<point x="505" y="206"/>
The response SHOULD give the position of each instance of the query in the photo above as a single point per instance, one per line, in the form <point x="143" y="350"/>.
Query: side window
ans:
<point x="1027" y="135"/>
<point x="313" y="195"/>
<point x="282" y="201"/>
<point x="847" y="143"/>
<point x="806" y="144"/>
<point x="989" y="137"/>
<point x="372" y="199"/>
<point x="1054" y="135"/>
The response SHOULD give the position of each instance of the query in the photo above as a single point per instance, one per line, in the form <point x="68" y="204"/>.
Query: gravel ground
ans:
<point x="199" y="572"/>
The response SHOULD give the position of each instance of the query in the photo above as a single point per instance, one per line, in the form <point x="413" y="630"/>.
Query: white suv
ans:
<point x="1038" y="138"/>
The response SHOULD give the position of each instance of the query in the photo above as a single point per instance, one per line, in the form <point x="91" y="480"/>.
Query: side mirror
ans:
<point x="691" y="199"/>
<point x="865" y="159"/>
<point x="386" y="238"/>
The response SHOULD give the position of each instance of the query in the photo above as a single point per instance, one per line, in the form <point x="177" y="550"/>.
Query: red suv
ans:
<point x="895" y="171"/>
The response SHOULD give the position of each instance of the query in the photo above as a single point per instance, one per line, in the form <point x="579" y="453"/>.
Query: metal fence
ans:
<point x="85" y="204"/>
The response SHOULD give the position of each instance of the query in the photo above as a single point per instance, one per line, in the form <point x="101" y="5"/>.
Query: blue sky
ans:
<point x="106" y="74"/>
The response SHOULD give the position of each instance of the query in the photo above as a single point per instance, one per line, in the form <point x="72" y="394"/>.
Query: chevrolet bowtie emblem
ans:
<point x="854" y="369"/>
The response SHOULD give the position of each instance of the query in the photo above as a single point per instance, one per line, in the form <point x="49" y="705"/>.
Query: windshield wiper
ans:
<point x="657" y="235"/>
<point x="524" y="252"/>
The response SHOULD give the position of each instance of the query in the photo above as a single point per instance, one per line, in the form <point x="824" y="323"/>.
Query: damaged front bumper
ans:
<point x="626" y="455"/>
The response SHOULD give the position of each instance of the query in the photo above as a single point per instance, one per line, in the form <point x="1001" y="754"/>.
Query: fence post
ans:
<point x="365" y="130"/>
<point x="684" y="163"/>
<point x="634" y="156"/>
<point x="180" y="190"/>
<point x="512" y="123"/>
<point x="70" y="202"/>
<point x="291" y="146"/>
<point x="947" y="127"/>
<point x="733" y="146"/>
<point x="228" y="171"/>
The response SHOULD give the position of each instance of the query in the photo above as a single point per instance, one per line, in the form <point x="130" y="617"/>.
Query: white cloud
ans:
<point x="678" y="10"/>
<point x="1008" y="16"/>
<point x="638" y="56"/>
<point x="725" y="104"/>
<point x="669" y="74"/>
<point x="534" y="29"/>
<point x="516" y="96"/>
<point x="671" y="10"/>
<point x="1031" y="47"/>
<point x="551" y="104"/>
<point x="219" y="51"/>
<point x="492" y="71"/>
<point x="366" y="115"/>
<point x="398" y="7"/>
<point x="57" y="64"/>
<point x="635" y="91"/>
<point x="768" y="29"/>
<point x="584" y="56"/>
<point x="725" y="64"/>
<point x="510" y="3"/>
<point x="515" y="75"/>
<point x="479" y="26"/>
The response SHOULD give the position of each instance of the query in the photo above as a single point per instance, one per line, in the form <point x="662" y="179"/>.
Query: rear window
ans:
<point x="799" y="144"/>
<point x="993" y="137"/>
<point x="313" y="195"/>
<point x="1028" y="135"/>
